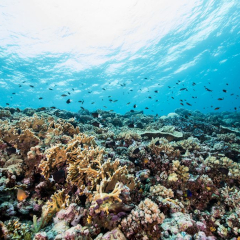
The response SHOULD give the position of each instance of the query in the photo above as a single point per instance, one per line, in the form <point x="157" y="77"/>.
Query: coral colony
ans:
<point x="80" y="176"/>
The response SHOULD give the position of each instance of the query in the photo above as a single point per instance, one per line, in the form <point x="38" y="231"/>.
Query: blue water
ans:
<point x="112" y="55"/>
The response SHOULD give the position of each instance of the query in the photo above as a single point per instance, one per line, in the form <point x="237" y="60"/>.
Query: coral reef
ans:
<point x="132" y="176"/>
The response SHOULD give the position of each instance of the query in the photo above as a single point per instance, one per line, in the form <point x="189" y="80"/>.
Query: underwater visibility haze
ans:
<point x="112" y="55"/>
<point x="119" y="120"/>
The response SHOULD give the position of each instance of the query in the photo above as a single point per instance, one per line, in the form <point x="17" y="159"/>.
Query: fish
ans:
<point x="82" y="108"/>
<point x="182" y="89"/>
<point x="19" y="85"/>
<point x="63" y="95"/>
<point x="53" y="107"/>
<point x="182" y="104"/>
<point x="193" y="84"/>
<point x="136" y="151"/>
<point x="224" y="90"/>
<point x="69" y="93"/>
<point x="13" y="93"/>
<point x="217" y="108"/>
<point x="7" y="103"/>
<point x="21" y="195"/>
<point x="42" y="108"/>
<point x="188" y="104"/>
<point x="209" y="90"/>
<point x="220" y="99"/>
<point x="172" y="97"/>
<point x="97" y="124"/>
<point x="115" y="100"/>
<point x="40" y="98"/>
<point x="68" y="101"/>
<point x="31" y="86"/>
<point x="146" y="108"/>
<point x="96" y="115"/>
<point x="135" y="105"/>
<point x="104" y="89"/>
<point x="50" y="89"/>
<point x="92" y="102"/>
<point x="145" y="78"/>
<point x="156" y="91"/>
<point x="150" y="97"/>
<point x="131" y="125"/>
<point x="132" y="111"/>
<point x="128" y="103"/>
<point x="18" y="110"/>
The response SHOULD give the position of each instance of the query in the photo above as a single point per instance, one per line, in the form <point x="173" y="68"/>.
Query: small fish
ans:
<point x="235" y="108"/>
<point x="104" y="89"/>
<point x="18" y="110"/>
<point x="115" y="100"/>
<point x="135" y="105"/>
<point x="82" y="108"/>
<point x="172" y="97"/>
<point x="169" y="87"/>
<point x="224" y="90"/>
<point x="92" y="102"/>
<point x="19" y="131"/>
<point x="50" y="89"/>
<point x="53" y="107"/>
<point x="97" y="124"/>
<point x="156" y="91"/>
<point x="216" y="108"/>
<point x="21" y="195"/>
<point x="189" y="193"/>
<point x="40" y="98"/>
<point x="104" y="106"/>
<point x="145" y="78"/>
<point x="146" y="108"/>
<point x="31" y="86"/>
<point x="188" y="104"/>
<point x="182" y="89"/>
<point x="209" y="90"/>
<point x="131" y="125"/>
<point x="68" y="101"/>
<point x="150" y="97"/>
<point x="69" y="93"/>
<point x="128" y="103"/>
<point x="182" y="104"/>
<point x="42" y="108"/>
<point x="73" y="89"/>
<point x="96" y="115"/>
<point x="132" y="111"/>
<point x="220" y="99"/>
<point x="13" y="93"/>
<point x="136" y="151"/>
<point x="7" y="103"/>
<point x="19" y="85"/>
<point x="63" y="95"/>
<point x="193" y="84"/>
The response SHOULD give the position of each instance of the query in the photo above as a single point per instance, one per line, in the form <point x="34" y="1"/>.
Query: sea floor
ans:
<point x="108" y="176"/>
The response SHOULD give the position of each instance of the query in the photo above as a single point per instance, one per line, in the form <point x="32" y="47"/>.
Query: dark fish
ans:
<point x="189" y="193"/>
<point x="53" y="107"/>
<point x="136" y="151"/>
<point x="172" y="97"/>
<point x="146" y="108"/>
<point x="235" y="108"/>
<point x="224" y="90"/>
<point x="104" y="106"/>
<point x="208" y="89"/>
<point x="40" y="98"/>
<point x="150" y="97"/>
<point x="132" y="111"/>
<point x="89" y="91"/>
<point x="128" y="103"/>
<point x="63" y="95"/>
<point x="31" y="86"/>
<point x="50" y="89"/>
<point x="7" y="103"/>
<point x="42" y="108"/>
<point x="68" y="101"/>
<point x="220" y="98"/>
<point x="23" y="81"/>
<point x="182" y="104"/>
<point x="73" y="89"/>
<point x="135" y="105"/>
<point x="131" y="125"/>
<point x="18" y="110"/>
<point x="156" y="91"/>
<point x="157" y="143"/>
<point x="69" y="93"/>
<point x="169" y="87"/>
<point x="193" y="84"/>
<point x="145" y="78"/>
<point x="19" y="131"/>
<point x="188" y="104"/>
<point x="82" y="108"/>
<point x="104" y="89"/>
<point x="97" y="124"/>
<point x="96" y="115"/>
<point x="92" y="102"/>
<point x="182" y="89"/>
<point x="19" y="85"/>
<point x="156" y="101"/>
<point x="216" y="108"/>
<point x="59" y="176"/>
<point x="13" y="93"/>
<point x="115" y="100"/>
